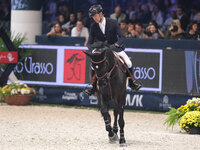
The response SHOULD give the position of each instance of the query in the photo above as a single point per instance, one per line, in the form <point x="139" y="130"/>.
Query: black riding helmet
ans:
<point x="95" y="9"/>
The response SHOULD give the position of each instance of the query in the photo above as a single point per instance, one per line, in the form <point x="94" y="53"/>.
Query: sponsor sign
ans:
<point x="165" y="103"/>
<point x="177" y="67"/>
<point x="8" y="57"/>
<point x="41" y="66"/>
<point x="74" y="66"/>
<point x="147" y="67"/>
<point x="139" y="101"/>
<point x="192" y="69"/>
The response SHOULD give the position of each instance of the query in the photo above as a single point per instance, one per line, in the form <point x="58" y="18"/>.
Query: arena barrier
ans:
<point x="170" y="77"/>
<point x="134" y="100"/>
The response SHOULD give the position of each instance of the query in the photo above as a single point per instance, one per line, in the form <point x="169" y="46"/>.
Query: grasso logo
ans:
<point x="144" y="73"/>
<point x="34" y="67"/>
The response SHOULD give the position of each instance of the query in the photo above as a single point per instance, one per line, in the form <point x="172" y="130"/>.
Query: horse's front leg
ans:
<point x="121" y="122"/>
<point x="106" y="116"/>
<point x="115" y="127"/>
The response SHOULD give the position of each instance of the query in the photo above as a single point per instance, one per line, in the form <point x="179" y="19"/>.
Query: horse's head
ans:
<point x="102" y="60"/>
<point x="98" y="60"/>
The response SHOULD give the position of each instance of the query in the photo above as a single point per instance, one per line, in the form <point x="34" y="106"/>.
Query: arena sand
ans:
<point x="57" y="128"/>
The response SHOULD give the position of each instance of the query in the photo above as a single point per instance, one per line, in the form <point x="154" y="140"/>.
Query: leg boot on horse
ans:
<point x="107" y="119"/>
<point x="92" y="91"/>
<point x="133" y="84"/>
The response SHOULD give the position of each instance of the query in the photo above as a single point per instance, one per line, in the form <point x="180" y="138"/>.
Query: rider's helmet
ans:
<point x="95" y="9"/>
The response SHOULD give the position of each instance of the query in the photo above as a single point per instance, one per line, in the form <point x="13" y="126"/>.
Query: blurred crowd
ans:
<point x="5" y="14"/>
<point x="149" y="19"/>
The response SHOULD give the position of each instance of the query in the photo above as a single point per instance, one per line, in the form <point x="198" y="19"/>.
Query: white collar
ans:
<point x="103" y="22"/>
<point x="102" y="25"/>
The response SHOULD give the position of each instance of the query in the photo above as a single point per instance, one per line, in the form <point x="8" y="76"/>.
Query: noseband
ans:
<point x="98" y="62"/>
<point x="107" y="74"/>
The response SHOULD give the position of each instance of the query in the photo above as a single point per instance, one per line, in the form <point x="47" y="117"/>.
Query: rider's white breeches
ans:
<point x="126" y="58"/>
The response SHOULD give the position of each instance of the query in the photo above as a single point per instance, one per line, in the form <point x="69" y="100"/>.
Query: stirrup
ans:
<point x="89" y="91"/>
<point x="135" y="85"/>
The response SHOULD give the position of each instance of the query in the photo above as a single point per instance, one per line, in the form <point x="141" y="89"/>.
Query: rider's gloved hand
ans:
<point x="103" y="49"/>
<point x="93" y="51"/>
<point x="115" y="47"/>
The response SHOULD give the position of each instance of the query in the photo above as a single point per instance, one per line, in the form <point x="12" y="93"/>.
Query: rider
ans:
<point x="107" y="30"/>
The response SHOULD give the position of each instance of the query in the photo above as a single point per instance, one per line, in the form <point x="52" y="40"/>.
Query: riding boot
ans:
<point x="133" y="84"/>
<point x="92" y="91"/>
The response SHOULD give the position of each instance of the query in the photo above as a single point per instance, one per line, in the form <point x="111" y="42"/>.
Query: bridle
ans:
<point x="107" y="74"/>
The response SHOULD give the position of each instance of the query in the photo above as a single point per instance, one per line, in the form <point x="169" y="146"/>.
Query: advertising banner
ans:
<point x="192" y="68"/>
<point x="8" y="57"/>
<point x="162" y="71"/>
<point x="136" y="101"/>
<point x="41" y="66"/>
<point x="180" y="72"/>
<point x="74" y="66"/>
<point x="147" y="67"/>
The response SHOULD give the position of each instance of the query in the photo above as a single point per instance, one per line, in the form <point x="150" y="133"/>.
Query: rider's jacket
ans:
<point x="113" y="35"/>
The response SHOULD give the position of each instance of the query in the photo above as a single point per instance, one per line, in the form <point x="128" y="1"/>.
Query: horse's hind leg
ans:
<point x="121" y="122"/>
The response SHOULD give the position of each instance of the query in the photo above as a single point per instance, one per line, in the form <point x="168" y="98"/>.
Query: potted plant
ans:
<point x="190" y="122"/>
<point x="16" y="93"/>
<point x="183" y="114"/>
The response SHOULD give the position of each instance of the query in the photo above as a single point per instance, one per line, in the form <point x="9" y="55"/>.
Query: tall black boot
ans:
<point x="133" y="84"/>
<point x="91" y="91"/>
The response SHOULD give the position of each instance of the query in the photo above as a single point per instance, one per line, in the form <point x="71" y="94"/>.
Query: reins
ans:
<point x="107" y="74"/>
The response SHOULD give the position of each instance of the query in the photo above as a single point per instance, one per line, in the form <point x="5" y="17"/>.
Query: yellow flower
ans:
<point x="4" y="88"/>
<point x="25" y="91"/>
<point x="16" y="88"/>
<point x="190" y="119"/>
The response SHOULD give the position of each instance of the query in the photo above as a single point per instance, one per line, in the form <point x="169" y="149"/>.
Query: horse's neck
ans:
<point x="111" y="57"/>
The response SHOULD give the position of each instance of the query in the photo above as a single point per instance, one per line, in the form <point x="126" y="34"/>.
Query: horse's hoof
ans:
<point x="122" y="142"/>
<point x="123" y="145"/>
<point x="113" y="139"/>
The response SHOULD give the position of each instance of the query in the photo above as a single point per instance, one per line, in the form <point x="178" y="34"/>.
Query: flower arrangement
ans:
<point x="16" y="88"/>
<point x="187" y="116"/>
<point x="190" y="120"/>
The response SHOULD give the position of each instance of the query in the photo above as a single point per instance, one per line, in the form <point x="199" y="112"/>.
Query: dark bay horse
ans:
<point x="111" y="86"/>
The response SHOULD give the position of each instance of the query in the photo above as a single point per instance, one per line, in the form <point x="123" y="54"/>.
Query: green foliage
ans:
<point x="1" y="96"/>
<point x="17" y="40"/>
<point x="173" y="117"/>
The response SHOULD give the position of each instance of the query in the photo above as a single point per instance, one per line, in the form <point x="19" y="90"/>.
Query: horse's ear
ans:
<point x="103" y="52"/>
<point x="88" y="54"/>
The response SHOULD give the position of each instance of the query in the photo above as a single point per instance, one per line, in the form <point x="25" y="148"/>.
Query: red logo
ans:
<point x="8" y="57"/>
<point x="74" y="66"/>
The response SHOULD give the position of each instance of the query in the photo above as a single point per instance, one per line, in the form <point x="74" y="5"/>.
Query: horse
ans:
<point x="111" y="86"/>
